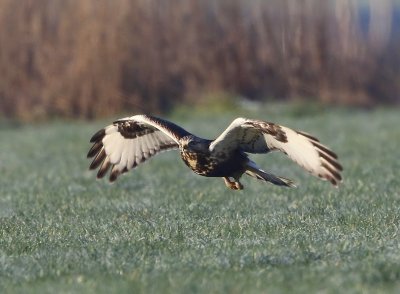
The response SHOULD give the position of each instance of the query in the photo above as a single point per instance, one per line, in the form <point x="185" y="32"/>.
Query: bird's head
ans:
<point x="194" y="144"/>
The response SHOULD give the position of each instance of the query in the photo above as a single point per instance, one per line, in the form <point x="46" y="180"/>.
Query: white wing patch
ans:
<point x="235" y="135"/>
<point x="131" y="141"/>
<point x="306" y="151"/>
<point x="255" y="136"/>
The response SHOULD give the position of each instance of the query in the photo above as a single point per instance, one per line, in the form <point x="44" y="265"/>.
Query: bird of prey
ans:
<point x="130" y="141"/>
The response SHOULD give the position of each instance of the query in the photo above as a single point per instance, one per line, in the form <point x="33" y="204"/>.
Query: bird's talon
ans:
<point x="238" y="186"/>
<point x="233" y="185"/>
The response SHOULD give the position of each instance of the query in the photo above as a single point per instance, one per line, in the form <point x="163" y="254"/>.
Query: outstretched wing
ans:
<point x="130" y="141"/>
<point x="255" y="136"/>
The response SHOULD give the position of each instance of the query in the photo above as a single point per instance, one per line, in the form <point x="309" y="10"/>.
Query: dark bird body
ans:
<point x="130" y="141"/>
<point x="208" y="165"/>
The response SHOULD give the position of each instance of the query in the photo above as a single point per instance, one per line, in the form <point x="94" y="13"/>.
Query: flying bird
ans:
<point x="130" y="141"/>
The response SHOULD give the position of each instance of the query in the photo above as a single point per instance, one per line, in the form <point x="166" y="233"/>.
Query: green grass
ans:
<point x="162" y="229"/>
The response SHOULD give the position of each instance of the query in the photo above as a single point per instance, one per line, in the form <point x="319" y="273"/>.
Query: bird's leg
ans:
<point x="234" y="185"/>
<point x="229" y="184"/>
<point x="238" y="185"/>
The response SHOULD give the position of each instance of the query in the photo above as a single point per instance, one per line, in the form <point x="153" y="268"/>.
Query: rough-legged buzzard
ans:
<point x="130" y="141"/>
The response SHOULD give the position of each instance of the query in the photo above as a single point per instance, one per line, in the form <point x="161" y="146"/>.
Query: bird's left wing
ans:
<point x="130" y="141"/>
<point x="255" y="136"/>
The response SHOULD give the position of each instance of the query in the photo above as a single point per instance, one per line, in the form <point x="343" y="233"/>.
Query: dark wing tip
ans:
<point x="95" y="149"/>
<point x="103" y="169"/>
<point x="114" y="175"/>
<point x="333" y="161"/>
<point x="324" y="149"/>
<point x="98" y="136"/>
<point x="336" y="175"/>
<point x="311" y="137"/>
<point x="98" y="159"/>
<point x="333" y="181"/>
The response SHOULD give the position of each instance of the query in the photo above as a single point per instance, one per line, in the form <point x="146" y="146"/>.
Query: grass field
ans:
<point x="162" y="229"/>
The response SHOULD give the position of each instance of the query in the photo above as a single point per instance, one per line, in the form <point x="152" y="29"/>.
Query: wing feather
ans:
<point x="130" y="141"/>
<point x="98" y="159"/>
<point x="129" y="161"/>
<point x="154" y="143"/>
<point x="255" y="136"/>
<point x="150" y="144"/>
<point x="95" y="149"/>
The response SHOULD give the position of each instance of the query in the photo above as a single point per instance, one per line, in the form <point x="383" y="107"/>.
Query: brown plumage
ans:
<point x="130" y="141"/>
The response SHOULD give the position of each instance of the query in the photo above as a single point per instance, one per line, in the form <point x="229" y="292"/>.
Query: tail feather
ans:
<point x="267" y="177"/>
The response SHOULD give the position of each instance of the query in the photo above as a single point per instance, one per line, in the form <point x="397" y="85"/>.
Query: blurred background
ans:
<point x="94" y="58"/>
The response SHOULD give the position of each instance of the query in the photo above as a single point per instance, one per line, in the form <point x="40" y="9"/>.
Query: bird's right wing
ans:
<point x="130" y="141"/>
